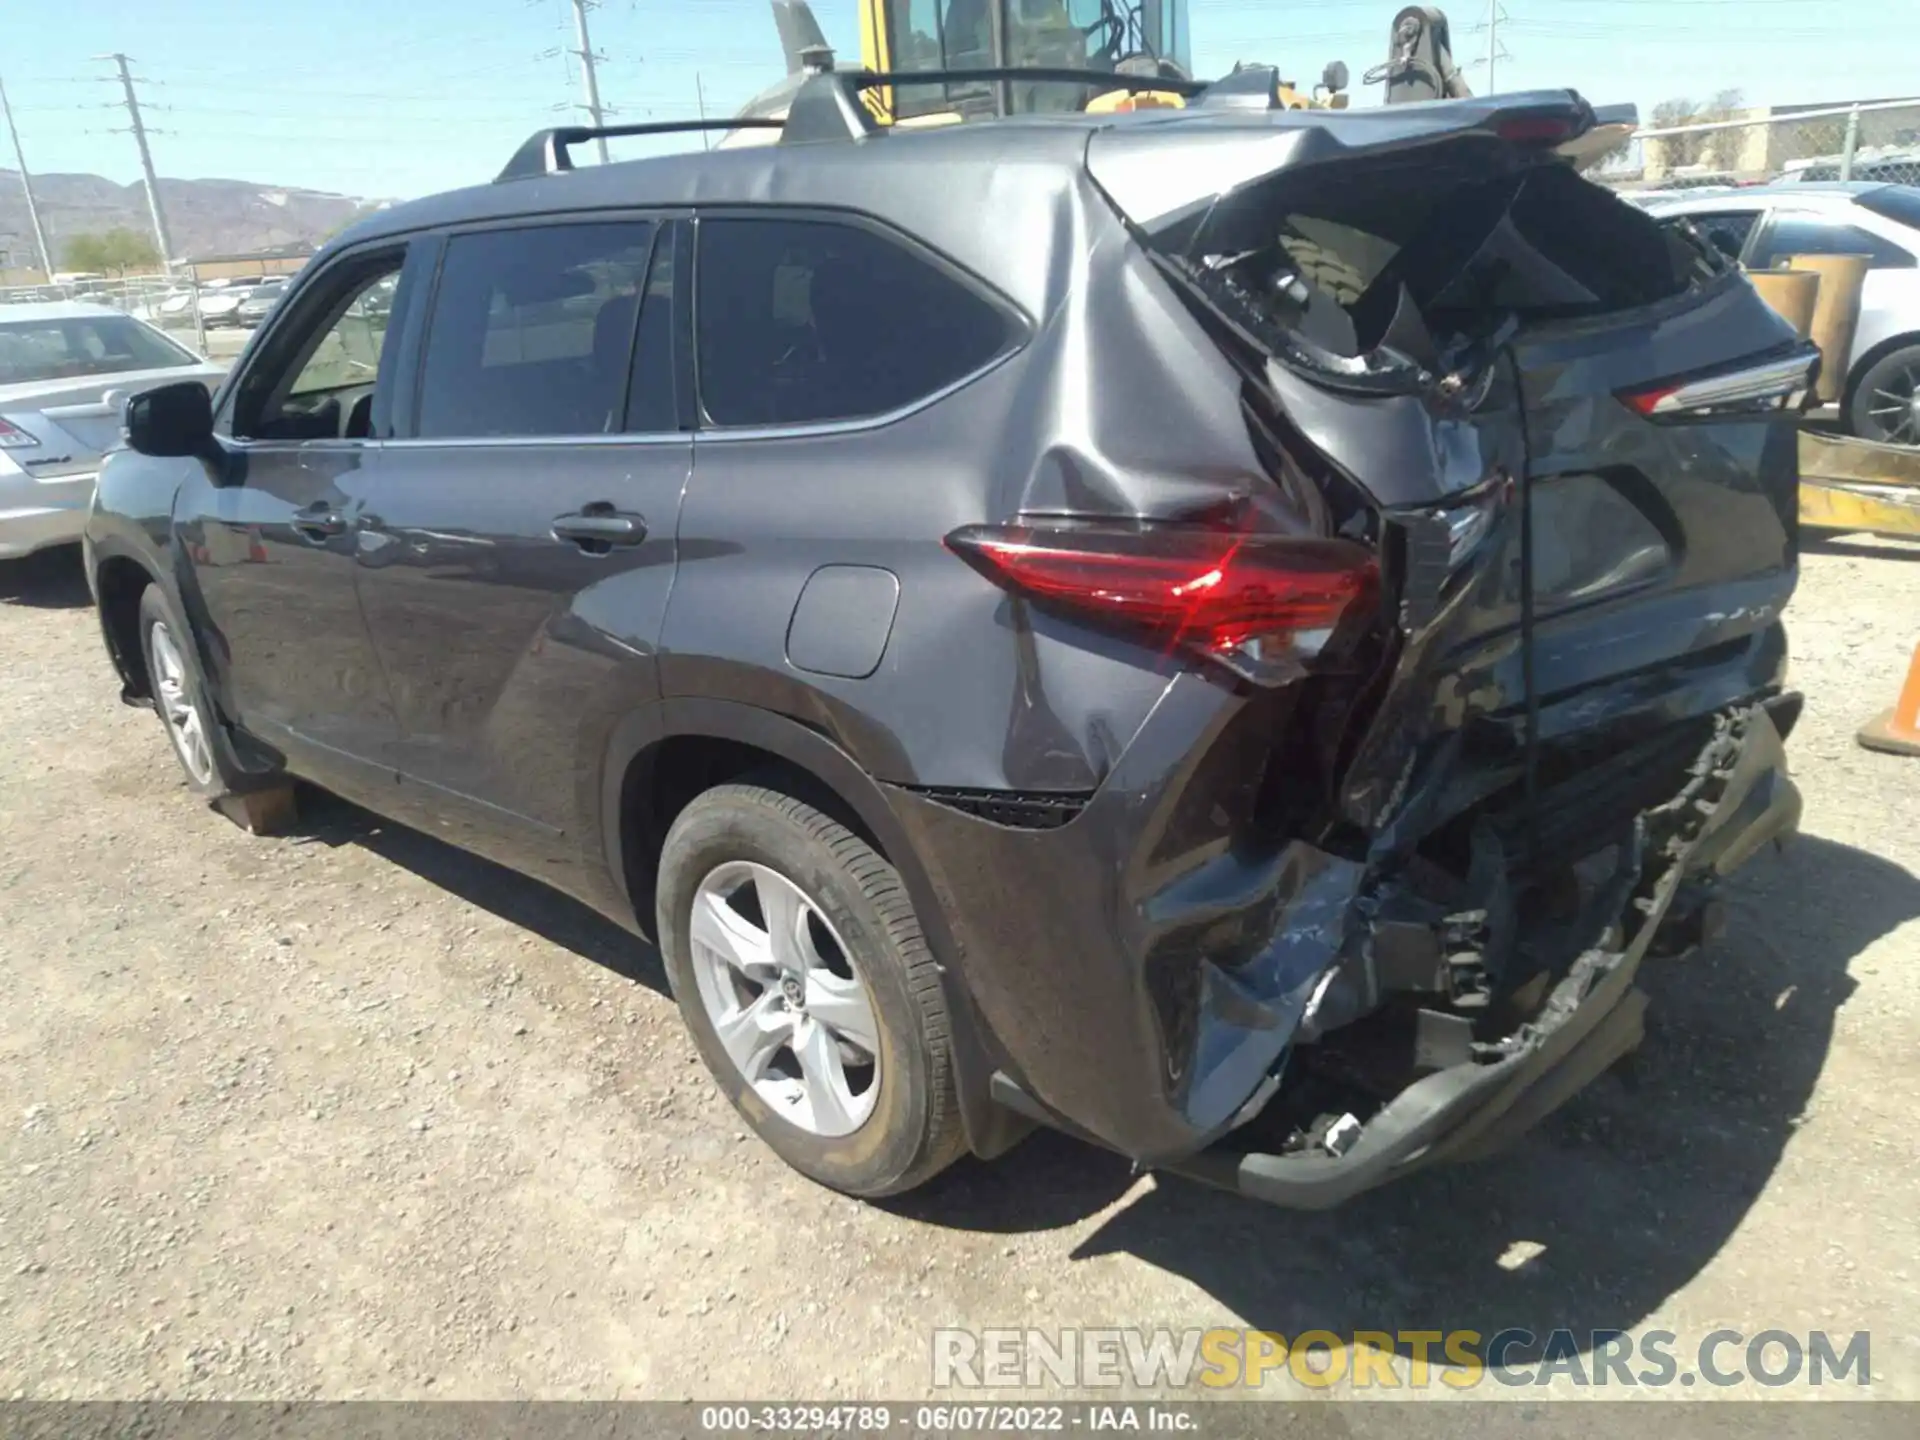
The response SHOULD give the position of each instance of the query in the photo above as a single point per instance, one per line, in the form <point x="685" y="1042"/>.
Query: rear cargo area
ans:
<point x="1567" y="435"/>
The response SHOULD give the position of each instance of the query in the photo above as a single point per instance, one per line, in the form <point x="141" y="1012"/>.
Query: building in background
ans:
<point x="1772" y="140"/>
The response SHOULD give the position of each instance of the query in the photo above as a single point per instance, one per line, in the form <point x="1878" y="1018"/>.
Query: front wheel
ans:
<point x="802" y="974"/>
<point x="1886" y="400"/>
<point x="178" y="696"/>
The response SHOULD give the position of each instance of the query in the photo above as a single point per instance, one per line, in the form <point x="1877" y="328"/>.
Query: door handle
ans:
<point x="319" y="521"/>
<point x="599" y="526"/>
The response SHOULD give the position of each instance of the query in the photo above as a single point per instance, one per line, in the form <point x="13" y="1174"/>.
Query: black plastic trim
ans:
<point x="1017" y="809"/>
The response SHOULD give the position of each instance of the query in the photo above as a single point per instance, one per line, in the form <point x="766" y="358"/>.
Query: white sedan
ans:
<point x="1762" y="225"/>
<point x="66" y="370"/>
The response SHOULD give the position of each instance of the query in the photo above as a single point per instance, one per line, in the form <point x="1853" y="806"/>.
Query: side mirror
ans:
<point x="1335" y="76"/>
<point x="173" y="420"/>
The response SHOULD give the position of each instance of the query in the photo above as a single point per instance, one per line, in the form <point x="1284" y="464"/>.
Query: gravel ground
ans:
<point x="349" y="1113"/>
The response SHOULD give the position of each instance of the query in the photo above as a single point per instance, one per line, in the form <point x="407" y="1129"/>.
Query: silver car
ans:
<point x="1762" y="225"/>
<point x="66" y="370"/>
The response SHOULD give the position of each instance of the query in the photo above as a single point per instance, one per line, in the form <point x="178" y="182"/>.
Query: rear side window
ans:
<point x="533" y="331"/>
<point x="806" y="321"/>
<point x="1811" y="235"/>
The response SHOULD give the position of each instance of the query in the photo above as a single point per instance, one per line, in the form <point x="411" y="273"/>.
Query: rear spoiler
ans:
<point x="1163" y="167"/>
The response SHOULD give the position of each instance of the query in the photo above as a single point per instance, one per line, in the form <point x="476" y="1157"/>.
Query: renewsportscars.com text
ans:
<point x="1392" y="1360"/>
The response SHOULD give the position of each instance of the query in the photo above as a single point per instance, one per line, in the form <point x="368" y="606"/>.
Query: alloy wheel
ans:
<point x="1894" y="407"/>
<point x="784" y="999"/>
<point x="176" y="706"/>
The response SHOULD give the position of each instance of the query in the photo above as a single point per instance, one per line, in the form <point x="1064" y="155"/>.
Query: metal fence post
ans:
<point x="1851" y="143"/>
<point x="199" y="320"/>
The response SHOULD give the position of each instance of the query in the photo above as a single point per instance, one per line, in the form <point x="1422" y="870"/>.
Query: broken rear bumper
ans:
<point x="1738" y="800"/>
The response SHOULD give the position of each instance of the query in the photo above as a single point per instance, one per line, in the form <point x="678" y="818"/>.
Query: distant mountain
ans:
<point x="204" y="217"/>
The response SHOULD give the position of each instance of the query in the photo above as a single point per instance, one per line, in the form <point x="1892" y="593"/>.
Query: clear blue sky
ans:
<point x="382" y="98"/>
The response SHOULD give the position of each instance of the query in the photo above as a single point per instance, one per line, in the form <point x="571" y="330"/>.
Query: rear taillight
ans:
<point x="12" y="437"/>
<point x="1258" y="604"/>
<point x="1753" y="389"/>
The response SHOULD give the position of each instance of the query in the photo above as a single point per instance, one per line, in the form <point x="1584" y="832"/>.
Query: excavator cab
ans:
<point x="1100" y="37"/>
<point x="1138" y="39"/>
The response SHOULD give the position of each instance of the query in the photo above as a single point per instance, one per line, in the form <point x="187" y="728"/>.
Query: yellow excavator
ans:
<point x="1134" y="39"/>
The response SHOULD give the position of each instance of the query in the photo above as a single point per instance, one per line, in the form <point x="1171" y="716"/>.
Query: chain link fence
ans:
<point x="1790" y="144"/>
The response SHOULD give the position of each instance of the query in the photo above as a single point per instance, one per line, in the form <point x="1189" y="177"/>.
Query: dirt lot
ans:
<point x="348" y="1113"/>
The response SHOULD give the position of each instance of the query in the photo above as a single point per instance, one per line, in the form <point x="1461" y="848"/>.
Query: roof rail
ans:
<point x="545" y="151"/>
<point x="827" y="105"/>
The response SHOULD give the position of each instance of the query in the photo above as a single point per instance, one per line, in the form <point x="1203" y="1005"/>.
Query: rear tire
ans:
<point x="1883" y="406"/>
<point x="837" y="1053"/>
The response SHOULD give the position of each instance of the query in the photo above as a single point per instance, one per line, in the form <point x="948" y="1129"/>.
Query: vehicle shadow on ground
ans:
<point x="327" y="819"/>
<point x="45" y="580"/>
<point x="1589" y="1223"/>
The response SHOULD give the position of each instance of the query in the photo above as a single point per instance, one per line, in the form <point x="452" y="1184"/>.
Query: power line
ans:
<point x="1614" y="30"/>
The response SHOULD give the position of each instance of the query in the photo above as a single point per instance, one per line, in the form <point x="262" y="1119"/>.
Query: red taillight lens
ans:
<point x="1535" y="129"/>
<point x="1259" y="604"/>
<point x="12" y="437"/>
<point x="1645" y="402"/>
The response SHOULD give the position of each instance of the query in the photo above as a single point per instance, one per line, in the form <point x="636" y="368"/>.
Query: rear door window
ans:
<point x="533" y="331"/>
<point x="805" y="321"/>
<point x="1791" y="235"/>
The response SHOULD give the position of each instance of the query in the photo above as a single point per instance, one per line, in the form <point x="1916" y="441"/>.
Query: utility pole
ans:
<point x="700" y="99"/>
<point x="146" y="163"/>
<point x="585" y="52"/>
<point x="1496" y="52"/>
<point x="1493" y="45"/>
<point x="26" y="182"/>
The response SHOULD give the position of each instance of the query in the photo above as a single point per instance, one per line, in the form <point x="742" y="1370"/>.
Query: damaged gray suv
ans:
<point x="1232" y="633"/>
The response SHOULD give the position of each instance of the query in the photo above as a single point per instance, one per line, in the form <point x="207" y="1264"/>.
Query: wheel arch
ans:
<point x="661" y="757"/>
<point x="119" y="580"/>
<point x="121" y="571"/>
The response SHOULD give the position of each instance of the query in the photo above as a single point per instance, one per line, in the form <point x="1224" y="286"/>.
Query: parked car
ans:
<point x="1762" y="226"/>
<point x="1887" y="166"/>
<point x="66" y="369"/>
<point x="1023" y="650"/>
<point x="157" y="305"/>
<point x="220" y="300"/>
<point x="259" y="302"/>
